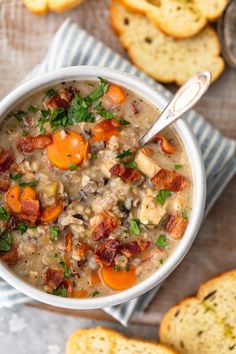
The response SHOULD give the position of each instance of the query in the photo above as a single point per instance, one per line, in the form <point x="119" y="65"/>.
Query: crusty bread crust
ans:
<point x="41" y="7"/>
<point x="177" y="18"/>
<point x="166" y="68"/>
<point x="103" y="340"/>
<point x="202" y="299"/>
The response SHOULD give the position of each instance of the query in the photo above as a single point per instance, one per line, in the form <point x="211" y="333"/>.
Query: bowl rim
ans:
<point x="188" y="139"/>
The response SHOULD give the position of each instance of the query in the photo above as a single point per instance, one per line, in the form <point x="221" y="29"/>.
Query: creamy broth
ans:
<point x="84" y="210"/>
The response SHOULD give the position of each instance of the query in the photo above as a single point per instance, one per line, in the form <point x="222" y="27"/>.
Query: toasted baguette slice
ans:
<point x="162" y="57"/>
<point x="41" y="7"/>
<point x="178" y="18"/>
<point x="206" y="323"/>
<point x="105" y="341"/>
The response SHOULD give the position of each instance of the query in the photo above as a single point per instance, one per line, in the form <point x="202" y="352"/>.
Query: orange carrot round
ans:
<point x="52" y="213"/>
<point x="67" y="150"/>
<point x="13" y="199"/>
<point x="118" y="280"/>
<point x="94" y="278"/>
<point x="116" y="94"/>
<point x="79" y="293"/>
<point x="28" y="193"/>
<point x="105" y="129"/>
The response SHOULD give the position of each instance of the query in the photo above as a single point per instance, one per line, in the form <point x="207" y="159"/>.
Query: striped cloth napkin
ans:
<point x="73" y="46"/>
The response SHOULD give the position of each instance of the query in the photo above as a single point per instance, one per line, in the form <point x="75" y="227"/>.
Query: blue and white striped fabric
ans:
<point x="73" y="46"/>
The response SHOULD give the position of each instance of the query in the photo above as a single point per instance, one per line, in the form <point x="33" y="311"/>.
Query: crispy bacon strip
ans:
<point x="31" y="143"/>
<point x="132" y="249"/>
<point x="175" y="226"/>
<point x="10" y="257"/>
<point x="62" y="99"/>
<point x="106" y="251"/>
<point x="6" y="159"/>
<point x="4" y="181"/>
<point x="69" y="242"/>
<point x="127" y="174"/>
<point x="30" y="210"/>
<point x="52" y="278"/>
<point x="169" y="179"/>
<point x="165" y="145"/>
<point x="103" y="229"/>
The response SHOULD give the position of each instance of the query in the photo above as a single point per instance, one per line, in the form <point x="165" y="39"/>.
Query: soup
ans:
<point x="85" y="211"/>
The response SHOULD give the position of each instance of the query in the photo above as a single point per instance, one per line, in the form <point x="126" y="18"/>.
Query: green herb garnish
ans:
<point x="72" y="166"/>
<point x="4" y="215"/>
<point x="123" y="154"/>
<point x="123" y="121"/>
<point x="98" y="92"/>
<point x="94" y="293"/>
<point x="19" y="115"/>
<point x="78" y="111"/>
<point x="161" y="261"/>
<point x="51" y="92"/>
<point x="66" y="270"/>
<point x="134" y="226"/>
<point x="61" y="291"/>
<point x="32" y="183"/>
<point x="5" y="241"/>
<point x="162" y="195"/>
<point x="22" y="228"/>
<point x="94" y="156"/>
<point x="16" y="176"/>
<point x="33" y="109"/>
<point x="54" y="232"/>
<point x="162" y="241"/>
<point x="131" y="164"/>
<point x="103" y="112"/>
<point x="178" y="166"/>
<point x="116" y="268"/>
<point x="126" y="268"/>
<point x="185" y="215"/>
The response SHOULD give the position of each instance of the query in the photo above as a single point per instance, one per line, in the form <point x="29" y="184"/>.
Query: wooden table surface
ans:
<point x="24" y="39"/>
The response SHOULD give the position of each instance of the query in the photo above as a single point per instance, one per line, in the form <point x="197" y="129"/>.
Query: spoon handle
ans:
<point x="184" y="99"/>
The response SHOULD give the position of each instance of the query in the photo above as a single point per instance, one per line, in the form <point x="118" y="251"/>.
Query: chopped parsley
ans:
<point x="185" y="215"/>
<point x="98" y="92"/>
<point x="94" y="293"/>
<point x="61" y="291"/>
<point x="123" y="121"/>
<point x="51" y="92"/>
<point x="134" y="226"/>
<point x="103" y="112"/>
<point x="162" y="241"/>
<point x="161" y="261"/>
<point x="20" y="115"/>
<point x="162" y="195"/>
<point x="4" y="215"/>
<point x="94" y="156"/>
<point x="116" y="268"/>
<point x="126" y="268"/>
<point x="33" y="109"/>
<point x="22" y="227"/>
<point x="54" y="233"/>
<point x="72" y="166"/>
<point x="178" y="166"/>
<point x="58" y="118"/>
<point x="66" y="270"/>
<point x="16" y="176"/>
<point x="131" y="164"/>
<point x="32" y="183"/>
<point x="5" y="241"/>
<point x="123" y="154"/>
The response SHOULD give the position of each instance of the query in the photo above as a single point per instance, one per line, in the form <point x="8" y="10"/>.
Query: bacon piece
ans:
<point x="62" y="99"/>
<point x="67" y="285"/>
<point x="127" y="174"/>
<point x="4" y="181"/>
<point x="106" y="251"/>
<point x="132" y="249"/>
<point x="169" y="179"/>
<point x="10" y="257"/>
<point x="29" y="210"/>
<point x="6" y="159"/>
<point x="69" y="242"/>
<point x="52" y="278"/>
<point x="82" y="249"/>
<point x="31" y="143"/>
<point x="176" y="226"/>
<point x="134" y="109"/>
<point x="105" y="227"/>
<point x="165" y="145"/>
<point x="11" y="223"/>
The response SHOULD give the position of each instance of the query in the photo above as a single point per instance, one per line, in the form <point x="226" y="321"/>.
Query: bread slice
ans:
<point x="205" y="324"/>
<point x="179" y="18"/>
<point x="106" y="341"/>
<point x="41" y="7"/>
<point x="160" y="56"/>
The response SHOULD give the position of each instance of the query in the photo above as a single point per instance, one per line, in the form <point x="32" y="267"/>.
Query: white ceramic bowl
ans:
<point x="194" y="156"/>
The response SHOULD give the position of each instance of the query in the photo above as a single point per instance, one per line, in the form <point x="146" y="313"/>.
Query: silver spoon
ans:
<point x="184" y="99"/>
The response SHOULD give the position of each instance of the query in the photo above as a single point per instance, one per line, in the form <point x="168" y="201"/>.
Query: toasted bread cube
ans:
<point x="146" y="164"/>
<point x="151" y="212"/>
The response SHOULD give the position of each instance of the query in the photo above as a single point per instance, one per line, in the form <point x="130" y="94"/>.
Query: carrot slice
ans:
<point x="28" y="193"/>
<point x="67" y="149"/>
<point x="79" y="293"/>
<point x="52" y="213"/>
<point x="13" y="199"/>
<point x="69" y="242"/>
<point x="105" y="129"/>
<point x="116" y="94"/>
<point x="118" y="280"/>
<point x="94" y="278"/>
